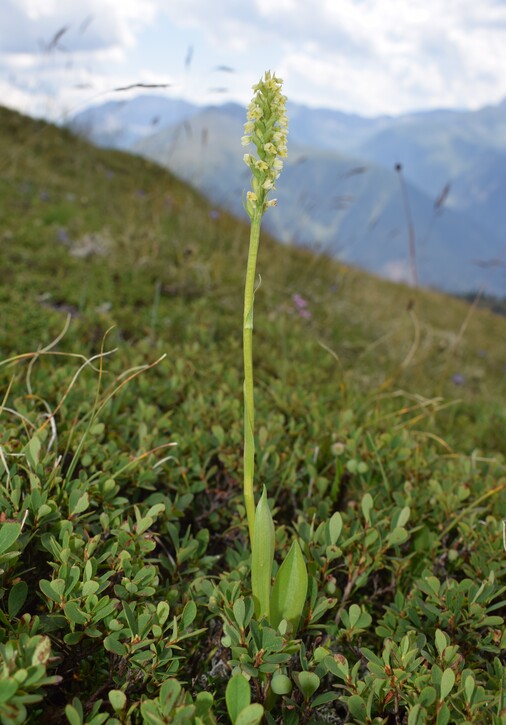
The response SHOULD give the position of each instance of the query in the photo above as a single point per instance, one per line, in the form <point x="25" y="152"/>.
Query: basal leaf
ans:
<point x="290" y="589"/>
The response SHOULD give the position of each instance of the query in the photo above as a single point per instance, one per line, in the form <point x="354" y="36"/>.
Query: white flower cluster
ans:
<point x="267" y="128"/>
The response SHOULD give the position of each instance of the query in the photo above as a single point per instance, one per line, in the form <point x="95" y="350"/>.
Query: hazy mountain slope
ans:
<point x="119" y="124"/>
<point x="460" y="149"/>
<point x="344" y="205"/>
<point x="481" y="192"/>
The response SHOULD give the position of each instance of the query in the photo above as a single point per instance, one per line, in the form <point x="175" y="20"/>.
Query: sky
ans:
<point x="369" y="57"/>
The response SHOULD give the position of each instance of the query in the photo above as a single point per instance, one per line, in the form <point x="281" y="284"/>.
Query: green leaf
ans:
<point x="398" y="536"/>
<point x="417" y="715"/>
<point x="262" y="556"/>
<point x="169" y="693"/>
<point x="132" y="622"/>
<point x="354" y="613"/>
<point x="367" y="504"/>
<point x="447" y="683"/>
<point x="42" y="652"/>
<point x="73" y="716"/>
<point x="308" y="683"/>
<point x="403" y="516"/>
<point x="8" y="688"/>
<point x="162" y="612"/>
<point x="324" y="698"/>
<point x="9" y="534"/>
<point x="335" y="527"/>
<point x="357" y="708"/>
<point x="74" y="614"/>
<point x="251" y="715"/>
<point x="189" y="614"/>
<point x="239" y="611"/>
<point x="78" y="504"/>
<point x="290" y="589"/>
<point x="43" y="510"/>
<point x="150" y="715"/>
<point x="118" y="700"/>
<point x="32" y="451"/>
<point x="469" y="687"/>
<point x="427" y="696"/>
<point x="237" y="696"/>
<point x="17" y="597"/>
<point x="90" y="587"/>
<point x="48" y="589"/>
<point x="440" y="641"/>
<point x="443" y="716"/>
<point x="112" y="644"/>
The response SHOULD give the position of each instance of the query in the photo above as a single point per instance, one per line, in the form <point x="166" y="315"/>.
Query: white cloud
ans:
<point x="32" y="25"/>
<point x="367" y="56"/>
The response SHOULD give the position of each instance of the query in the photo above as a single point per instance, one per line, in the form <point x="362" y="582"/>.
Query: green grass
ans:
<point x="356" y="404"/>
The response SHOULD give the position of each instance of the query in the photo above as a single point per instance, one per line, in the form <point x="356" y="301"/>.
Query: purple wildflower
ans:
<point x="301" y="306"/>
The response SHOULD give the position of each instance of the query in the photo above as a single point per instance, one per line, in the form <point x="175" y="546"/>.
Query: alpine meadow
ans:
<point x="323" y="544"/>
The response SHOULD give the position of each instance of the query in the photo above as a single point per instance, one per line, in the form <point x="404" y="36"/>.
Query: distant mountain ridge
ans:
<point x="349" y="204"/>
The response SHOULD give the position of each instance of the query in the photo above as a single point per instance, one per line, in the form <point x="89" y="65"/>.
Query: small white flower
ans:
<point x="261" y="165"/>
<point x="269" y="148"/>
<point x="267" y="128"/>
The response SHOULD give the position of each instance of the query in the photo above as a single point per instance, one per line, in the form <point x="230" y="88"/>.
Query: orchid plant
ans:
<point x="266" y="128"/>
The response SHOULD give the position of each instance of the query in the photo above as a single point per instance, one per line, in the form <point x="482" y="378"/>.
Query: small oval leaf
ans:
<point x="237" y="696"/>
<point x="251" y="715"/>
<point x="335" y="527"/>
<point x="447" y="682"/>
<point x="308" y="683"/>
<point x="9" y="534"/>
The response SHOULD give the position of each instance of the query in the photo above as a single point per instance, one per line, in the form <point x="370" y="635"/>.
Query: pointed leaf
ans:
<point x="262" y="556"/>
<point x="17" y="597"/>
<point x="367" y="504"/>
<point x="290" y="589"/>
<point x="189" y="614"/>
<point x="447" y="682"/>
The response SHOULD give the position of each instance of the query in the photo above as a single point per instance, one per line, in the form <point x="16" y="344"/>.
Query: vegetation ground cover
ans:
<point x="124" y="571"/>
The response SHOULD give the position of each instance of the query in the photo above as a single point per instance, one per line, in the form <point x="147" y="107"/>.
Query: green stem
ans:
<point x="249" y="401"/>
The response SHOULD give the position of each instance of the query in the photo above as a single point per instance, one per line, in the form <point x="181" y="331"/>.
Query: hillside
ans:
<point x="124" y="564"/>
<point x="451" y="163"/>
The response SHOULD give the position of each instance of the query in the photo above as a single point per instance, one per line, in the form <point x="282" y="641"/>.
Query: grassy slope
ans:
<point x="172" y="274"/>
<point x="368" y="379"/>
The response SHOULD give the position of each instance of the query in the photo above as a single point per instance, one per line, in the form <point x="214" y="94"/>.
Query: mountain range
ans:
<point x="351" y="185"/>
